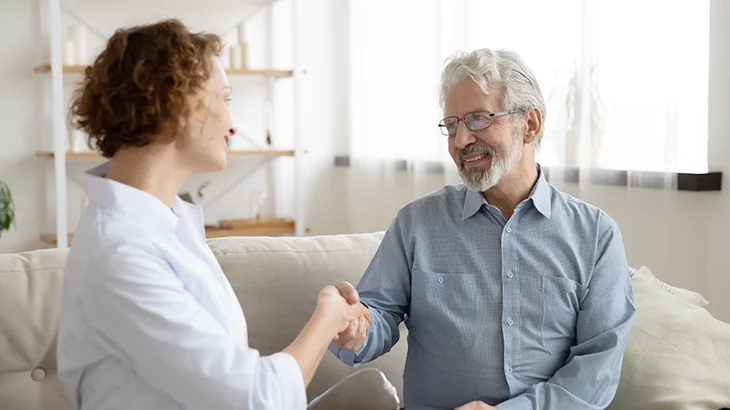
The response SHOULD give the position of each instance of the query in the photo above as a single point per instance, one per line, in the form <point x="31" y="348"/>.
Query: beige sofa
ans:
<point x="277" y="280"/>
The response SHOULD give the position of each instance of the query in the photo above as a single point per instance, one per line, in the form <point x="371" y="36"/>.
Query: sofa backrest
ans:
<point x="30" y="300"/>
<point x="276" y="280"/>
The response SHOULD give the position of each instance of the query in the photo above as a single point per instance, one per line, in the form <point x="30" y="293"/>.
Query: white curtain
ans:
<point x="625" y="84"/>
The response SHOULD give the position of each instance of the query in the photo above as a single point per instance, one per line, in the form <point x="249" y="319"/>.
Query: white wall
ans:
<point x="681" y="236"/>
<point x="714" y="244"/>
<point x="19" y="128"/>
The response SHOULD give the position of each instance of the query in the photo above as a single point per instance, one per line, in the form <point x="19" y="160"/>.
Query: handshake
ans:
<point x="339" y="306"/>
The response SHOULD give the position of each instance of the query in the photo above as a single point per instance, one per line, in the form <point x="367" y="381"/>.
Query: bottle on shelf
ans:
<point x="241" y="48"/>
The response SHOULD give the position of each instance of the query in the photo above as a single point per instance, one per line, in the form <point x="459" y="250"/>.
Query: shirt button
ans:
<point x="510" y="274"/>
<point x="509" y="230"/>
<point x="440" y="280"/>
<point x="509" y="369"/>
<point x="575" y="287"/>
<point x="510" y="322"/>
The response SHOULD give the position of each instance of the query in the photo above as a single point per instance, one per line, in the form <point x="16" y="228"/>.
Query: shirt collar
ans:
<point x="540" y="196"/>
<point x="143" y="207"/>
<point x="472" y="203"/>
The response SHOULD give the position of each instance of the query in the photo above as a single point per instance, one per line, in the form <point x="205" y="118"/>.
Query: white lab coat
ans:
<point x="149" y="320"/>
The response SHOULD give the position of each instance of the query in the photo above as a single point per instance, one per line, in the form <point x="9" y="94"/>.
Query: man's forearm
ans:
<point x="589" y="379"/>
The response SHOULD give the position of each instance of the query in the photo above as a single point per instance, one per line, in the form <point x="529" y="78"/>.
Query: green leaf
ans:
<point x="7" y="208"/>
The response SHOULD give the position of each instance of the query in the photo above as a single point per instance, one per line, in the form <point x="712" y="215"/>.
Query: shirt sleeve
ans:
<point x="141" y="312"/>
<point x="385" y="289"/>
<point x="590" y="377"/>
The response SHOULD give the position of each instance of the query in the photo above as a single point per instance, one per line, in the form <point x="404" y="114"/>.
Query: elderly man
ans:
<point x="515" y="294"/>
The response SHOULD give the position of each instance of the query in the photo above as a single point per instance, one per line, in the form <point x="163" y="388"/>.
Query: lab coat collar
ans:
<point x="139" y="205"/>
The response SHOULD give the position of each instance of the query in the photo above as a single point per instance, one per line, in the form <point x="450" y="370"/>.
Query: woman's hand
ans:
<point x="333" y="315"/>
<point x="476" y="405"/>
<point x="337" y="311"/>
<point x="354" y="336"/>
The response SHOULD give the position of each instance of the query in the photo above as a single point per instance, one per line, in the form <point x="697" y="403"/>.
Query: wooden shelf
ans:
<point x="249" y="227"/>
<point x="261" y="73"/>
<point x="266" y="227"/>
<point x="233" y="153"/>
<point x="69" y="155"/>
<point x="261" y="153"/>
<point x="45" y="68"/>
<point x="50" y="238"/>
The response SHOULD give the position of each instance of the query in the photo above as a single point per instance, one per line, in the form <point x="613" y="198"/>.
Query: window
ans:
<point x="625" y="82"/>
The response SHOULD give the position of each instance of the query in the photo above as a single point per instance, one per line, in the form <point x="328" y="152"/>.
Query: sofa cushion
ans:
<point x="277" y="281"/>
<point x="677" y="357"/>
<point x="30" y="299"/>
<point x="684" y="294"/>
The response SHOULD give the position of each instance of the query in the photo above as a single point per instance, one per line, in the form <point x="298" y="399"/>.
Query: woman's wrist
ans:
<point x="324" y="323"/>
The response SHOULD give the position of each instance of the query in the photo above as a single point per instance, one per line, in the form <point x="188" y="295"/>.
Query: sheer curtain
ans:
<point x="396" y="150"/>
<point x="625" y="84"/>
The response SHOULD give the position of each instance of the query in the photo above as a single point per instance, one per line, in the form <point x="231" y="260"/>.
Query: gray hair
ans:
<point x="500" y="68"/>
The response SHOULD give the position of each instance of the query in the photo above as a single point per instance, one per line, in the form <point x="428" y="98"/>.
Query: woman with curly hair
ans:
<point x="149" y="320"/>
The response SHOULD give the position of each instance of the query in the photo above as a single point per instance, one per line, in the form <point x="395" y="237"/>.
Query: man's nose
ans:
<point x="464" y="137"/>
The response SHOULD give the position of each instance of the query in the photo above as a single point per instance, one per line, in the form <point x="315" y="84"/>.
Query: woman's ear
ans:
<point x="533" y="120"/>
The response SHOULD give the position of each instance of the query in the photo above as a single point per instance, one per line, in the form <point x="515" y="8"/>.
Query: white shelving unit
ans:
<point x="226" y="15"/>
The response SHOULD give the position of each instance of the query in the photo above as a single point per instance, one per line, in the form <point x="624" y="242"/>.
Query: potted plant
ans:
<point x="7" y="208"/>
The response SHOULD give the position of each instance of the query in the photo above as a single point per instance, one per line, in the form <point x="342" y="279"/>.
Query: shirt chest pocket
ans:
<point x="561" y="301"/>
<point x="443" y="310"/>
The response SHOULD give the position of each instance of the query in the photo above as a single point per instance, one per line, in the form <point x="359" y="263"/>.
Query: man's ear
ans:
<point x="533" y="122"/>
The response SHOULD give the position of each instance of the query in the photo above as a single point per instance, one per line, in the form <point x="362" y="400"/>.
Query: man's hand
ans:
<point x="354" y="336"/>
<point x="476" y="405"/>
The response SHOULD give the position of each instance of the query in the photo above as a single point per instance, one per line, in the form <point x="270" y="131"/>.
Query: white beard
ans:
<point x="480" y="181"/>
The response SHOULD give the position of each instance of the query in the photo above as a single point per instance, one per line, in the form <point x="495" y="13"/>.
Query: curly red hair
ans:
<point x="140" y="87"/>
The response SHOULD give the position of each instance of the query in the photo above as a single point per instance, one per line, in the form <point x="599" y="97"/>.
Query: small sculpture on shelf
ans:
<point x="187" y="197"/>
<point x="258" y="201"/>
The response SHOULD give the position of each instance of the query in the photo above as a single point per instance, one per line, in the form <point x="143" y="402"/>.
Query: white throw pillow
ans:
<point x="677" y="357"/>
<point x="684" y="294"/>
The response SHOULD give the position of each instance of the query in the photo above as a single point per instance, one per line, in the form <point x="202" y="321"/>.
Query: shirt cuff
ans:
<point x="515" y="403"/>
<point x="347" y="357"/>
<point x="294" y="394"/>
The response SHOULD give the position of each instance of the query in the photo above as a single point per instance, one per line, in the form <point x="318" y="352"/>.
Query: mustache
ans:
<point x="474" y="148"/>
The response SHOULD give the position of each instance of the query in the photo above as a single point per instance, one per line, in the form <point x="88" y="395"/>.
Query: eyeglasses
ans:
<point x="475" y="121"/>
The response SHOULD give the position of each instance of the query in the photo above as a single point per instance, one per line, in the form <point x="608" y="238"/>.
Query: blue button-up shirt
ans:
<point x="530" y="312"/>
